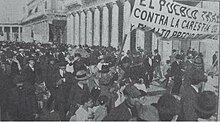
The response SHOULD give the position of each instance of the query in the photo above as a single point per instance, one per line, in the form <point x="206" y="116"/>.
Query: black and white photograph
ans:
<point x="109" y="60"/>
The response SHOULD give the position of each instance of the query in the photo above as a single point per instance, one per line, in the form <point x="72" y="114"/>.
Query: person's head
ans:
<point x="62" y="65"/>
<point x="132" y="95"/>
<point x="126" y="62"/>
<point x="104" y="69"/>
<point x="18" y="80"/>
<point x="156" y="51"/>
<point x="178" y="57"/>
<point x="86" y="100"/>
<point x="216" y="52"/>
<point x="77" y="55"/>
<point x="206" y="104"/>
<point x="31" y="61"/>
<point x="197" y="78"/>
<point x="168" y="62"/>
<point x="174" y="51"/>
<point x="51" y="60"/>
<point x="168" y="107"/>
<point x="82" y="77"/>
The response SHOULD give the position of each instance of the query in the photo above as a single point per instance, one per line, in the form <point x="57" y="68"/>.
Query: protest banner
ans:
<point x="173" y="20"/>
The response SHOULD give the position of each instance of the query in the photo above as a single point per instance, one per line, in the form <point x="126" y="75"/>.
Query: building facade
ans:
<point x="44" y="21"/>
<point x="103" y="22"/>
<point x="10" y="16"/>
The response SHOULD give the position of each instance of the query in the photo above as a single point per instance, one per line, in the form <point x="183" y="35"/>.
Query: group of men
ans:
<point x="65" y="82"/>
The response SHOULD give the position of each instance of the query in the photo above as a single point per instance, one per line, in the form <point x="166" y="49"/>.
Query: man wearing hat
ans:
<point x="62" y="83"/>
<point x="77" y="91"/>
<point x="190" y="94"/>
<point x="177" y="73"/>
<point x="157" y="60"/>
<point x="206" y="105"/>
<point x="126" y="110"/>
<point x="21" y="57"/>
<point x="124" y="70"/>
<point x="29" y="72"/>
<point x="168" y="107"/>
<point x="22" y="104"/>
<point x="148" y="64"/>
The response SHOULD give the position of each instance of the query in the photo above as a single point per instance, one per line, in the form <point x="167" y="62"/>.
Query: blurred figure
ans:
<point x="176" y="73"/>
<point x="206" y="105"/>
<point x="84" y="113"/>
<point x="167" y="73"/>
<point x="22" y="102"/>
<point x="101" y="109"/>
<point x="126" y="110"/>
<point x="149" y="69"/>
<point x="215" y="62"/>
<point x="190" y="94"/>
<point x="168" y="107"/>
<point x="157" y="61"/>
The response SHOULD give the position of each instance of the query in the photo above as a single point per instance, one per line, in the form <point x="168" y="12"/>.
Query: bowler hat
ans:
<point x="82" y="75"/>
<point x="206" y="103"/>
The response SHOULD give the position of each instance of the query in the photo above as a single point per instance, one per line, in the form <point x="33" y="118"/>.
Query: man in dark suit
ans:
<point x="15" y="67"/>
<point x="62" y="55"/>
<point x="149" y="69"/>
<point x="177" y="73"/>
<point x="22" y="104"/>
<point x="190" y="94"/>
<point x="77" y="91"/>
<point x="62" y="83"/>
<point x="21" y="57"/>
<point x="157" y="60"/>
<point x="29" y="73"/>
<point x="126" y="110"/>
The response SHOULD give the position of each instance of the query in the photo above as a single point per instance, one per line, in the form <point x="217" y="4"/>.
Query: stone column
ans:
<point x="96" y="27"/>
<point x="11" y="34"/>
<point x="72" y="29"/>
<point x="68" y="24"/>
<point x="115" y="17"/>
<point x="127" y="11"/>
<point x="105" y="27"/>
<point x="77" y="29"/>
<point x="82" y="28"/>
<point x="140" y="39"/>
<point x="89" y="28"/>
<point x="19" y="33"/>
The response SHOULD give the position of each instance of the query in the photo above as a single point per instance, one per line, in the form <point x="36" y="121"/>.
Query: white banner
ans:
<point x="173" y="20"/>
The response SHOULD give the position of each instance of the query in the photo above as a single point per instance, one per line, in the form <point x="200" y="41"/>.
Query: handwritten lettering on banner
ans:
<point x="173" y="20"/>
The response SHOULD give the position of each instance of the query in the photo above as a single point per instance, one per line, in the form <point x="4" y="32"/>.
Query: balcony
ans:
<point x="68" y="3"/>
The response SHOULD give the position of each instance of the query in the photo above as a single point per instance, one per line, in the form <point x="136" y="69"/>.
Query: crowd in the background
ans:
<point x="80" y="83"/>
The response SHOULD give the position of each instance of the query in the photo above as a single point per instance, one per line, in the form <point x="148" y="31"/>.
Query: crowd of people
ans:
<point x="92" y="83"/>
